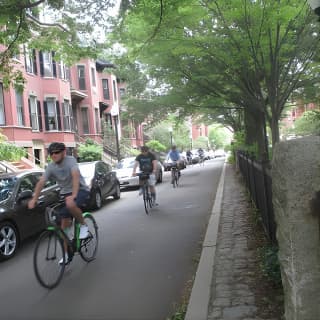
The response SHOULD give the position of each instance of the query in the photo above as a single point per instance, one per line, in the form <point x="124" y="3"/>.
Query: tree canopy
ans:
<point x="66" y="27"/>
<point x="225" y="57"/>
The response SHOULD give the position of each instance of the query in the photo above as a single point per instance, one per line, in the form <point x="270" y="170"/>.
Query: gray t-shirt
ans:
<point x="61" y="172"/>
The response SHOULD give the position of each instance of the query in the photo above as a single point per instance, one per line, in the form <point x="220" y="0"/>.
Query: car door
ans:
<point x="32" y="221"/>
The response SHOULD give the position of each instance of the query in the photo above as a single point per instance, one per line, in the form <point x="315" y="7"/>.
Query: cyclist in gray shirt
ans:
<point x="65" y="171"/>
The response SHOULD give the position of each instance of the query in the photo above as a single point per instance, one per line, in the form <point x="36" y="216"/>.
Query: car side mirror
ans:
<point x="26" y="194"/>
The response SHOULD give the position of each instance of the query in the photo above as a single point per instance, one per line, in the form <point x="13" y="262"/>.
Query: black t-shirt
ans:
<point x="145" y="162"/>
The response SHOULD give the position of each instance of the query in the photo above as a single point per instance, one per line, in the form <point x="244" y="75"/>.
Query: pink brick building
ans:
<point x="60" y="104"/>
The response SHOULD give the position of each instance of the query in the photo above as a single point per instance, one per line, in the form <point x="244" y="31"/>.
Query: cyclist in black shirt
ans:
<point x="147" y="163"/>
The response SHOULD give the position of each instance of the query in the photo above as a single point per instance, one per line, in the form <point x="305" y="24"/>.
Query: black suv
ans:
<point x="17" y="222"/>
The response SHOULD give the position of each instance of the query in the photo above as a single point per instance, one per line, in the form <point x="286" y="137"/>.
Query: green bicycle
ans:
<point x="49" y="259"/>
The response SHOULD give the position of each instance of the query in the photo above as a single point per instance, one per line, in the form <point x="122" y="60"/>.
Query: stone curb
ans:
<point x="200" y="294"/>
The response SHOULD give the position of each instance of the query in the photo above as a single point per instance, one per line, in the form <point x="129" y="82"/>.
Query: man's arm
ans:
<point x="36" y="194"/>
<point x="135" y="168"/>
<point x="75" y="182"/>
<point x="154" y="166"/>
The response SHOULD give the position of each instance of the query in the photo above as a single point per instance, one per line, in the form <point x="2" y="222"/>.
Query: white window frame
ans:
<point x="29" y="60"/>
<point x="2" y="114"/>
<point x="97" y="118"/>
<point x="34" y="113"/>
<point x="52" y="114"/>
<point x="20" y="108"/>
<point x="85" y="120"/>
<point x="67" y="115"/>
<point x="47" y="64"/>
<point x="93" y="76"/>
<point x="105" y="89"/>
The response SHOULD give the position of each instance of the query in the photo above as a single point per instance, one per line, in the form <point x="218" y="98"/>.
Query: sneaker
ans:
<point x="140" y="191"/>
<point x="84" y="231"/>
<point x="66" y="260"/>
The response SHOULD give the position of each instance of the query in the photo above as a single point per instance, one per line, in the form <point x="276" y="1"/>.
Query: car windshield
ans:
<point x="6" y="187"/>
<point x="125" y="164"/>
<point x="87" y="170"/>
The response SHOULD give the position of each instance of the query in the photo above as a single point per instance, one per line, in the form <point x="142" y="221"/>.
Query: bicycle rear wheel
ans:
<point x="146" y="199"/>
<point x="89" y="246"/>
<point x="176" y="177"/>
<point x="47" y="254"/>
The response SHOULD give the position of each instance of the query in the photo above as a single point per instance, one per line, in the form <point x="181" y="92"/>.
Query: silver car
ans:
<point x="124" y="173"/>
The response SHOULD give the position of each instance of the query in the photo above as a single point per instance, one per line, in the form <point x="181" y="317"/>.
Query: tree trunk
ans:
<point x="274" y="125"/>
<point x="255" y="132"/>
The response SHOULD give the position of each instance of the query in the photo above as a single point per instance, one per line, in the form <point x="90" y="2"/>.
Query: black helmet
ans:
<point x="56" y="147"/>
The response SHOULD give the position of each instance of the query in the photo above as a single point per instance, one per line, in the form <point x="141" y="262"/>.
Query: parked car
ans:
<point x="102" y="181"/>
<point x="219" y="153"/>
<point x="124" y="172"/>
<point x="17" y="222"/>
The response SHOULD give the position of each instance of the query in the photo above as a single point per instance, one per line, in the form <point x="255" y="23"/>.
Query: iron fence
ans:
<point x="258" y="180"/>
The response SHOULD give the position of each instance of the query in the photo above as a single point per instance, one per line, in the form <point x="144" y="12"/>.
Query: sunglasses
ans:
<point x="55" y="152"/>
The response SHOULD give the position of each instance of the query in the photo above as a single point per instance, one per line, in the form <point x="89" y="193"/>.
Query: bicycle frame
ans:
<point x="175" y="175"/>
<point x="147" y="198"/>
<point x="75" y="243"/>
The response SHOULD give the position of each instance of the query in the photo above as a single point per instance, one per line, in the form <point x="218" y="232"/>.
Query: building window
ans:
<point x="97" y="118"/>
<point x="47" y="64"/>
<point x="2" y="117"/>
<point x="122" y="92"/>
<point x="67" y="115"/>
<point x="19" y="105"/>
<point x="30" y="60"/>
<point x="114" y="90"/>
<point x="34" y="113"/>
<point x="85" y="120"/>
<point x="63" y="71"/>
<point x="105" y="88"/>
<point x="93" y="76"/>
<point x="81" y="78"/>
<point x="52" y="114"/>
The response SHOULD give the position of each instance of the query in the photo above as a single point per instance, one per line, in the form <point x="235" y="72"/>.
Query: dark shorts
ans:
<point x="81" y="201"/>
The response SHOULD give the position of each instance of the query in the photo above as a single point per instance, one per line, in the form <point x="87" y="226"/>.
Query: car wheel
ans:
<point x="8" y="240"/>
<point x="96" y="200"/>
<point x="117" y="194"/>
<point x="160" y="177"/>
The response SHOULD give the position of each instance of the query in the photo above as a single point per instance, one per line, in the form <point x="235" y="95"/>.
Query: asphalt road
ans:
<point x="143" y="262"/>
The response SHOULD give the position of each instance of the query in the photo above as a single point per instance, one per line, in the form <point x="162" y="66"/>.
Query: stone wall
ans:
<point x="295" y="179"/>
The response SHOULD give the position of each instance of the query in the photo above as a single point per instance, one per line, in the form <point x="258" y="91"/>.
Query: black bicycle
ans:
<point x="49" y="258"/>
<point x="175" y="175"/>
<point x="148" y="200"/>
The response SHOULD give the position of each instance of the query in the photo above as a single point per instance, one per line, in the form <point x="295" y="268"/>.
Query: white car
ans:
<point x="124" y="173"/>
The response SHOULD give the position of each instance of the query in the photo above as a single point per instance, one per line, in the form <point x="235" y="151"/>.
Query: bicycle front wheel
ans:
<point x="48" y="252"/>
<point x="176" y="178"/>
<point x="89" y="246"/>
<point x="146" y="199"/>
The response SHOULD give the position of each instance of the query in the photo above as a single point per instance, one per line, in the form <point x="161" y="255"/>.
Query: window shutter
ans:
<point x="41" y="64"/>
<point x="58" y="115"/>
<point x="39" y="115"/>
<point x="46" y="120"/>
<point x="29" y="104"/>
<point x="34" y="55"/>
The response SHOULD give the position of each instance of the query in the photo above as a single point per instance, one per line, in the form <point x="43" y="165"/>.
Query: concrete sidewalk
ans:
<point x="221" y="288"/>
